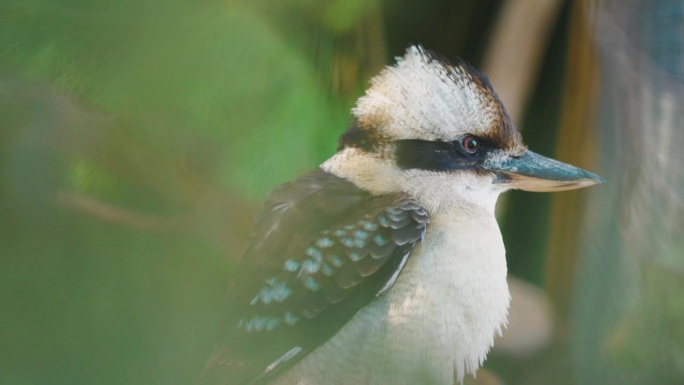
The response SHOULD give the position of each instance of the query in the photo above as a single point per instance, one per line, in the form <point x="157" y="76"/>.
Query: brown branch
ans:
<point x="111" y="213"/>
<point x="515" y="51"/>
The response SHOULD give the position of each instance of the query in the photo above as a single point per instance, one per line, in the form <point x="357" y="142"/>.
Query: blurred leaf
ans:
<point x="220" y="72"/>
<point x="86" y="177"/>
<point x="342" y="15"/>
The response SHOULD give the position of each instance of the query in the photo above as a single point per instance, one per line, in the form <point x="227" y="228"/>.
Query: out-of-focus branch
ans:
<point x="575" y="145"/>
<point x="514" y="54"/>
<point x="359" y="50"/>
<point x="111" y="213"/>
<point x="218" y="218"/>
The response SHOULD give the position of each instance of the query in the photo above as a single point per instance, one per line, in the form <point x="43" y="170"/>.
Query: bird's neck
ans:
<point x="368" y="171"/>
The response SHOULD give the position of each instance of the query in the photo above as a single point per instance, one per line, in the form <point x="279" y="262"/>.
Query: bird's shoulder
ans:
<point x="322" y="250"/>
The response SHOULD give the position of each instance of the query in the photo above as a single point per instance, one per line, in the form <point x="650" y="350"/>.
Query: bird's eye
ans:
<point x="470" y="143"/>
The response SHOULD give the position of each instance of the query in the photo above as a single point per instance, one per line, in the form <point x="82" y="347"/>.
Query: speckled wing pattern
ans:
<point x="322" y="250"/>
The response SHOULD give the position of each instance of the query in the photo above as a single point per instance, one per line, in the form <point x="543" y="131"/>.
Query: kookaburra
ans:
<point x="385" y="265"/>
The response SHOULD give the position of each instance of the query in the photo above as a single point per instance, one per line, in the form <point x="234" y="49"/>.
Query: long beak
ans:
<point x="533" y="172"/>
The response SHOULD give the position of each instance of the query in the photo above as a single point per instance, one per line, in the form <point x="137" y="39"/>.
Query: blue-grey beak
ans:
<point x="533" y="172"/>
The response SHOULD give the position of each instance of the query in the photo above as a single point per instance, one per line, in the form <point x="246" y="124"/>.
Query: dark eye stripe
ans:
<point x="422" y="154"/>
<point x="358" y="138"/>
<point x="436" y="155"/>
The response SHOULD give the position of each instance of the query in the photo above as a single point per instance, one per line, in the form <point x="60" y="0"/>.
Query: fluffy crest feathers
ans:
<point x="423" y="96"/>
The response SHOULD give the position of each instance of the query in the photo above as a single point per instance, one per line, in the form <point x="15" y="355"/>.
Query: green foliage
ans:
<point x="86" y="177"/>
<point x="219" y="72"/>
<point x="135" y="139"/>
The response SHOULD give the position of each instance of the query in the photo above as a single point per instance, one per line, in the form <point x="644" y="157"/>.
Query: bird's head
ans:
<point x="439" y="132"/>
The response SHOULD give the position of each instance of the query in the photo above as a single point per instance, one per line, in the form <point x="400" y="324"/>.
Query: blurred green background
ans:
<point x="138" y="138"/>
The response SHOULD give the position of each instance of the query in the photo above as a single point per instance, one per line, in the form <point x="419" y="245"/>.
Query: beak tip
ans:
<point x="596" y="179"/>
<point x="588" y="180"/>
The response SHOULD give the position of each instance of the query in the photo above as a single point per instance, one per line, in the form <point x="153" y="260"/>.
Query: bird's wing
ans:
<point x="322" y="250"/>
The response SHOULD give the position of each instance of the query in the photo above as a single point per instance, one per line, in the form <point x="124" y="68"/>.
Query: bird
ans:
<point x="385" y="264"/>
